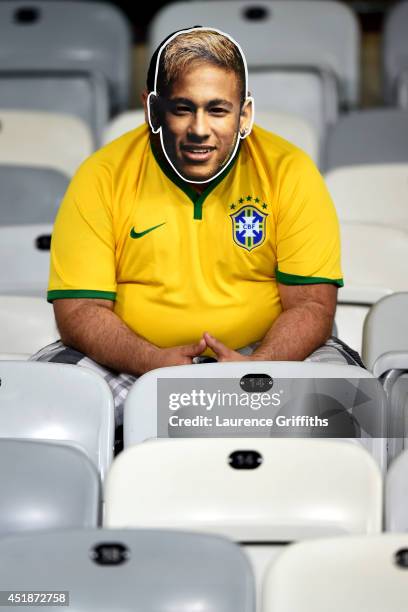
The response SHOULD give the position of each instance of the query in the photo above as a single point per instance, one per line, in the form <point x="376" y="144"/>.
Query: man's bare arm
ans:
<point x="304" y="324"/>
<point x="91" y="326"/>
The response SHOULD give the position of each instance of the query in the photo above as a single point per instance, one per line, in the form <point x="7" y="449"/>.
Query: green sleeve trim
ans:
<point x="295" y="279"/>
<point x="80" y="293"/>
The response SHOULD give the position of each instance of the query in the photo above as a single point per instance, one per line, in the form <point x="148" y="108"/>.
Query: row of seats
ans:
<point x="61" y="142"/>
<point x="50" y="401"/>
<point x="310" y="48"/>
<point x="261" y="494"/>
<point x="111" y="569"/>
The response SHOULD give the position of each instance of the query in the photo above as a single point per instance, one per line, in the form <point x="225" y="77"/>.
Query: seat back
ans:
<point x="395" y="49"/>
<point x="313" y="96"/>
<point x="51" y="140"/>
<point x="30" y="196"/>
<point x="353" y="574"/>
<point x="83" y="95"/>
<point x="302" y="34"/>
<point x="374" y="256"/>
<point x="58" y="402"/>
<point x="26" y="324"/>
<point x="378" y="136"/>
<point x="85" y="37"/>
<point x="252" y="490"/>
<point x="375" y="194"/>
<point x="298" y="388"/>
<point x="26" y="249"/>
<point x="261" y="493"/>
<point x="384" y="329"/>
<point x="46" y="486"/>
<point x="112" y="569"/>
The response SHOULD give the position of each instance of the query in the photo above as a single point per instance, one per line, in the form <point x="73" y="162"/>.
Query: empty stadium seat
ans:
<point x="262" y="493"/>
<point x="385" y="333"/>
<point x="395" y="53"/>
<point x="293" y="35"/>
<point x="341" y="574"/>
<point x="373" y="264"/>
<point x="51" y="140"/>
<point x="396" y="494"/>
<point x="72" y="57"/>
<point x="46" y="486"/>
<point x="58" y="402"/>
<point x="26" y="324"/>
<point x="83" y="96"/>
<point x="291" y="127"/>
<point x="353" y="304"/>
<point x="372" y="194"/>
<point x="30" y="196"/>
<point x="313" y="96"/>
<point x="374" y="136"/>
<point x="26" y="249"/>
<point x="130" y="570"/>
<point x="304" y="388"/>
<point x="385" y="350"/>
<point x="374" y="256"/>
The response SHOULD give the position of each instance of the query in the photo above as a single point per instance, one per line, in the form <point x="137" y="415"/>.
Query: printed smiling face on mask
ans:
<point x="200" y="106"/>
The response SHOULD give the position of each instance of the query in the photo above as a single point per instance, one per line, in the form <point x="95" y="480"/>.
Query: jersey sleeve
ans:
<point x="307" y="228"/>
<point x="82" y="245"/>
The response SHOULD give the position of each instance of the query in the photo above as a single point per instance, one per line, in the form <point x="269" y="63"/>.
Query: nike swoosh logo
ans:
<point x="135" y="234"/>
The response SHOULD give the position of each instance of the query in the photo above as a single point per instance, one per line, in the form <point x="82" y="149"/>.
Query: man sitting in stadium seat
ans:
<point x="200" y="235"/>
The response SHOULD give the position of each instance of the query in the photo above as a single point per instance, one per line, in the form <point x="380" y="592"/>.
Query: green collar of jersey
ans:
<point x="196" y="198"/>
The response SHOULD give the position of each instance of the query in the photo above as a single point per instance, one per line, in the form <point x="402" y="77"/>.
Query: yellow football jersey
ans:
<point x="177" y="263"/>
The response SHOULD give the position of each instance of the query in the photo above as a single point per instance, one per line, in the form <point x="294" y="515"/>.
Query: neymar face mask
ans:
<point x="201" y="116"/>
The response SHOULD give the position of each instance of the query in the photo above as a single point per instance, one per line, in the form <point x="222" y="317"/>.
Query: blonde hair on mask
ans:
<point x="199" y="46"/>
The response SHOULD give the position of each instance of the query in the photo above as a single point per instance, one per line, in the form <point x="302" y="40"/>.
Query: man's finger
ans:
<point x="218" y="347"/>
<point x="193" y="350"/>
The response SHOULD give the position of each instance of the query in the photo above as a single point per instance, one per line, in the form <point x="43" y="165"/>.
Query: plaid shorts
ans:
<point x="334" y="351"/>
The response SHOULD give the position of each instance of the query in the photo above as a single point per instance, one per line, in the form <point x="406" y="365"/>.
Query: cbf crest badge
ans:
<point x="248" y="227"/>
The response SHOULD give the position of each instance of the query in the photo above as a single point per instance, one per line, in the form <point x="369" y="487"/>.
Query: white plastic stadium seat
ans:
<point x="313" y="96"/>
<point x="374" y="264"/>
<point x="305" y="388"/>
<point x="369" y="136"/>
<point x="376" y="194"/>
<point x="30" y="195"/>
<point x="26" y="324"/>
<point x="386" y="332"/>
<point x="311" y="35"/>
<point x="52" y="140"/>
<point x="46" y="486"/>
<point x="374" y="255"/>
<point x="58" y="402"/>
<point x="128" y="570"/>
<point x="339" y="574"/>
<point x="261" y="493"/>
<point x="353" y="304"/>
<point x="26" y="249"/>
<point x="291" y="127"/>
<point x="385" y="350"/>
<point x="65" y="57"/>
